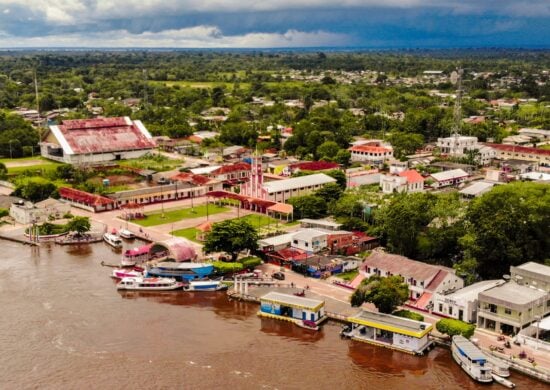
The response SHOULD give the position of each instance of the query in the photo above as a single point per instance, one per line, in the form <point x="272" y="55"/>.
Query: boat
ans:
<point x="113" y="240"/>
<point x="307" y="324"/>
<point x="125" y="233"/>
<point x="503" y="382"/>
<point x="149" y="284"/>
<point x="471" y="359"/>
<point x="181" y="271"/>
<point x="499" y="367"/>
<point x="135" y="256"/>
<point x="120" y="273"/>
<point x="205" y="285"/>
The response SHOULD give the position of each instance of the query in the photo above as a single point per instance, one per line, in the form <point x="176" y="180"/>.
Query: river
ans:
<point x="65" y="326"/>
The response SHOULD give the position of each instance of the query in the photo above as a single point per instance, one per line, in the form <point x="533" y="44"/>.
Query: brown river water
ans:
<point x="65" y="326"/>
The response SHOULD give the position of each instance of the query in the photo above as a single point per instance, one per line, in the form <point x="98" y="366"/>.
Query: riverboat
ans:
<point x="135" y="256"/>
<point x="499" y="367"/>
<point x="120" y="273"/>
<point x="471" y="359"/>
<point x="113" y="240"/>
<point x="149" y="284"/>
<point x="181" y="271"/>
<point x="125" y="233"/>
<point x="205" y="285"/>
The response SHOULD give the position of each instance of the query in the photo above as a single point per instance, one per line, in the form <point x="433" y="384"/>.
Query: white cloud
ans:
<point x="194" y="37"/>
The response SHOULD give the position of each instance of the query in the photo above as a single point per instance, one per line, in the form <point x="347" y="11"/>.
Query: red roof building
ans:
<point x="513" y="152"/>
<point x="82" y="141"/>
<point x="370" y="154"/>
<point x="313" y="166"/>
<point x="86" y="200"/>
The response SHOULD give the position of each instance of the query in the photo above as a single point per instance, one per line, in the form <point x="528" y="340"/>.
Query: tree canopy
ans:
<point x="231" y="236"/>
<point x="386" y="293"/>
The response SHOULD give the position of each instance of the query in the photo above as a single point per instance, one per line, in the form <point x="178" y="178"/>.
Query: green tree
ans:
<point x="80" y="225"/>
<point x="35" y="189"/>
<point x="386" y="293"/>
<point x="231" y="236"/>
<point x="327" y="150"/>
<point x="329" y="192"/>
<point x="405" y="143"/>
<point x="308" y="206"/>
<point x="340" y="177"/>
<point x="452" y="327"/>
<point x="343" y="157"/>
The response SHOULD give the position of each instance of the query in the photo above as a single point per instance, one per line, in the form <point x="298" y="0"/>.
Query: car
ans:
<point x="278" y="276"/>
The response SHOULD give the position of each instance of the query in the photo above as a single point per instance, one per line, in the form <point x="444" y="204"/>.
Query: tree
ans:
<point x="452" y="327"/>
<point x="327" y="150"/>
<point x="80" y="225"/>
<point x="405" y="143"/>
<point x="308" y="206"/>
<point x="340" y="177"/>
<point x="35" y="189"/>
<point x="343" y="157"/>
<point x="385" y="293"/>
<point x="329" y="192"/>
<point x="231" y="236"/>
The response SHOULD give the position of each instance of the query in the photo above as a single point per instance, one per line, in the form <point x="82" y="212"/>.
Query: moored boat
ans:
<point x="181" y="271"/>
<point x="205" y="285"/>
<point x="113" y="240"/>
<point x="149" y="284"/>
<point x="503" y="382"/>
<point x="135" y="256"/>
<point x="125" y="233"/>
<point x="120" y="273"/>
<point x="499" y="367"/>
<point x="471" y="359"/>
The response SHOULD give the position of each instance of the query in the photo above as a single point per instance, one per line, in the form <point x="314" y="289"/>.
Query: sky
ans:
<point x="274" y="23"/>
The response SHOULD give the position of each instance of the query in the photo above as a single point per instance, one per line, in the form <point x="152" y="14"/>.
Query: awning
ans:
<point x="544" y="323"/>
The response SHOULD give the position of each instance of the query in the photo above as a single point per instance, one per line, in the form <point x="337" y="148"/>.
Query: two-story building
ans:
<point x="376" y="155"/>
<point x="532" y="274"/>
<point x="405" y="181"/>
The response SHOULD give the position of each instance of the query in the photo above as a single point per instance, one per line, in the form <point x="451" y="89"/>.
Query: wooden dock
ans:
<point x="19" y="239"/>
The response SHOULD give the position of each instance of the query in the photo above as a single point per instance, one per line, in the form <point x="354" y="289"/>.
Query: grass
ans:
<point x="348" y="276"/>
<point x="189" y="233"/>
<point x="170" y="216"/>
<point x="154" y="162"/>
<point x="258" y="220"/>
<point x="43" y="169"/>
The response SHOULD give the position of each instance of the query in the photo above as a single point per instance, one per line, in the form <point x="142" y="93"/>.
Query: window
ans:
<point x="440" y="307"/>
<point x="508" y="311"/>
<point x="295" y="241"/>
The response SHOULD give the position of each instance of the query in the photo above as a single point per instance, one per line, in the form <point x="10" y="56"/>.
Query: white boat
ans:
<point x="503" y="382"/>
<point x="125" y="233"/>
<point x="113" y="240"/>
<point x="149" y="284"/>
<point x="471" y="359"/>
<point x="499" y="367"/>
<point x="205" y="285"/>
<point x="120" y="273"/>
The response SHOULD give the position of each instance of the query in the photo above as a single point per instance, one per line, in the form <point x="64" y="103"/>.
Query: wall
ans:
<point x="408" y="342"/>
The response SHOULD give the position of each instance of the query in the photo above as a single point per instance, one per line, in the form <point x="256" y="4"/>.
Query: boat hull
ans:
<point x="465" y="368"/>
<point x="179" y="272"/>
<point x="205" y="286"/>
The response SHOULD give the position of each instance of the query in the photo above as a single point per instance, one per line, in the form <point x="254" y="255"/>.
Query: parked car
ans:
<point x="278" y="276"/>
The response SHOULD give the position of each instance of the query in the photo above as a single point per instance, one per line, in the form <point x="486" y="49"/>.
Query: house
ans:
<point x="310" y="240"/>
<point x="405" y="181"/>
<point x="28" y="212"/>
<point x="292" y="308"/>
<point x="84" y="141"/>
<point x="231" y="174"/>
<point x="314" y="166"/>
<point x="462" y="304"/>
<point x="448" y="178"/>
<point x="511" y="307"/>
<point x="86" y="200"/>
<point x="460" y="146"/>
<point x="539" y="134"/>
<point x="320" y="224"/>
<point x="423" y="279"/>
<point x="524" y="153"/>
<point x="532" y="274"/>
<point x="376" y="155"/>
<point x="359" y="176"/>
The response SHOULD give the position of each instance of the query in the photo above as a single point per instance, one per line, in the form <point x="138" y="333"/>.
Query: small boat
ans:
<point x="471" y="359"/>
<point x="149" y="284"/>
<point x="307" y="324"/>
<point x="125" y="233"/>
<point x="499" y="367"/>
<point x="181" y="271"/>
<point x="205" y="285"/>
<point x="113" y="240"/>
<point x="120" y="273"/>
<point x="135" y="256"/>
<point x="503" y="382"/>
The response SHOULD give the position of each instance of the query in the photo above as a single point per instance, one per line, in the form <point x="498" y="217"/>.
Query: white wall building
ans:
<point x="310" y="240"/>
<point x="449" y="178"/>
<point x="282" y="190"/>
<point x="405" y="181"/>
<point x="27" y="212"/>
<point x="370" y="154"/>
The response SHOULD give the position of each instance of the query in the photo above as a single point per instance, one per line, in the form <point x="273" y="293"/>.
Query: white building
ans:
<point x="370" y="154"/>
<point x="459" y="146"/>
<point x="282" y="190"/>
<point x="310" y="240"/>
<point x="462" y="304"/>
<point x="535" y="133"/>
<point x="83" y="141"/>
<point x="405" y="181"/>
<point x="453" y="177"/>
<point x="27" y="212"/>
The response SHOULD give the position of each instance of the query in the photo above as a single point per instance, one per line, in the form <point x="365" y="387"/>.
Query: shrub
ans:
<point x="224" y="268"/>
<point x="250" y="262"/>
<point x="452" y="327"/>
<point x="4" y="212"/>
<point x="411" y="315"/>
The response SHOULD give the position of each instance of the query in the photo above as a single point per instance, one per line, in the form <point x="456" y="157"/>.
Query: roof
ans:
<point x="308" y="234"/>
<point x="412" y="176"/>
<point x="477" y="188"/>
<point x="467" y="348"/>
<point x="293" y="301"/>
<point x="513" y="294"/>
<point x="449" y="175"/>
<point x="180" y="249"/>
<point x="281" y="239"/>
<point x="519" y="149"/>
<point x="470" y="293"/>
<point x="400" y="265"/>
<point x="298" y="182"/>
<point x="391" y="323"/>
<point x="535" y="176"/>
<point x="197" y="180"/>
<point x="314" y="165"/>
<point x="83" y="197"/>
<point x="204" y="227"/>
<point x="240" y="166"/>
<point x="320" y="222"/>
<point x="102" y="135"/>
<point x="369" y="149"/>
<point x="204" y="170"/>
<point x="538" y="268"/>
<point x="282" y="208"/>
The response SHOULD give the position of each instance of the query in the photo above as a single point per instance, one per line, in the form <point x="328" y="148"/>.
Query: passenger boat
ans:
<point x="135" y="256"/>
<point x="120" y="273"/>
<point x="499" y="367"/>
<point x="205" y="285"/>
<point x="181" y="271"/>
<point x="113" y="240"/>
<point x="471" y="359"/>
<point x="149" y="284"/>
<point x="125" y="233"/>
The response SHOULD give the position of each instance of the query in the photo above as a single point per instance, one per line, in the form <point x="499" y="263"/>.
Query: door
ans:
<point x="312" y="316"/>
<point x="460" y="314"/>
<point x="304" y="315"/>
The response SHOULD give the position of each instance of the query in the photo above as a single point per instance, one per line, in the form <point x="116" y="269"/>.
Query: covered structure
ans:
<point x="292" y="308"/>
<point x="132" y="210"/>
<point x="255" y="204"/>
<point x="175" y="248"/>
<point x="86" y="200"/>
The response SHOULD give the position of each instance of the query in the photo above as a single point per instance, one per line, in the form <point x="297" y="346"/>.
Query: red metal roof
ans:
<point x="519" y="149"/>
<point x="369" y="149"/>
<point x="314" y="165"/>
<point x="84" y="197"/>
<point x="240" y="166"/>
<point x="412" y="176"/>
<point x="104" y="135"/>
<point x="191" y="178"/>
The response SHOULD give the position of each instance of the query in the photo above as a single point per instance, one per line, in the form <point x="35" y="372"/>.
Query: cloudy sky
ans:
<point x="274" y="23"/>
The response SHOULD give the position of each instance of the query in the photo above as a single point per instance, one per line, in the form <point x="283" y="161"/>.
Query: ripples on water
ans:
<point x="64" y="325"/>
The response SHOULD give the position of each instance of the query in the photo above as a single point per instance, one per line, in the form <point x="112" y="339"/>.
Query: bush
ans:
<point x="250" y="262"/>
<point x="452" y="327"/>
<point x="224" y="268"/>
<point x="4" y="212"/>
<point x="411" y="315"/>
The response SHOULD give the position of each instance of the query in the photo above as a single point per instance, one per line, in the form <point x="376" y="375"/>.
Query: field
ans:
<point x="189" y="233"/>
<point x="34" y="164"/>
<point x="171" y="216"/>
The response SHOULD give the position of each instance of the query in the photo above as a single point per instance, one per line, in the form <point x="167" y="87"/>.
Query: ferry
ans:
<point x="113" y="240"/>
<point x="149" y="284"/>
<point x="181" y="271"/>
<point x="125" y="233"/>
<point x="120" y="273"/>
<point x="135" y="256"/>
<point x="205" y="285"/>
<point x="471" y="359"/>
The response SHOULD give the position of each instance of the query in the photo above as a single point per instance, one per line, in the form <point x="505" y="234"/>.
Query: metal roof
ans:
<point x="468" y="348"/>
<point x="513" y="295"/>
<point x="449" y="175"/>
<point x="535" y="267"/>
<point x="392" y="323"/>
<point x="292" y="301"/>
<point x="298" y="182"/>
<point x="477" y="188"/>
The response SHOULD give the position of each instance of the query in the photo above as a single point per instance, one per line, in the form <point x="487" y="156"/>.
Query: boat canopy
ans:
<point x="468" y="349"/>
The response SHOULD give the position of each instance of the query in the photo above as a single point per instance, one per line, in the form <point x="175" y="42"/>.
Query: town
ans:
<point x="411" y="207"/>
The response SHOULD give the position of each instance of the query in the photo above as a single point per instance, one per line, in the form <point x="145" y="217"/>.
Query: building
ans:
<point x="405" y="181"/>
<point x="310" y="240"/>
<point x="319" y="224"/>
<point x="457" y="145"/>
<point x="511" y="307"/>
<point x="423" y="279"/>
<point x="292" y="308"/>
<point x="532" y="274"/>
<point x="28" y="212"/>
<point x="85" y="141"/>
<point x="524" y="153"/>
<point x="539" y="134"/>
<point x="359" y="176"/>
<point x="390" y="331"/>
<point x="462" y="304"/>
<point x="476" y="189"/>
<point x="85" y="200"/>
<point x="448" y="178"/>
<point x="375" y="155"/>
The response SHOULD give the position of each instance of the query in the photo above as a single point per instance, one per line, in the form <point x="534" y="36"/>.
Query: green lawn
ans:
<point x="189" y="233"/>
<point x="348" y="276"/>
<point x="259" y="221"/>
<point x="170" y="216"/>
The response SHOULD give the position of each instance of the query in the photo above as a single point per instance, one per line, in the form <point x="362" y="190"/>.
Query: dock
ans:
<point x="21" y="239"/>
